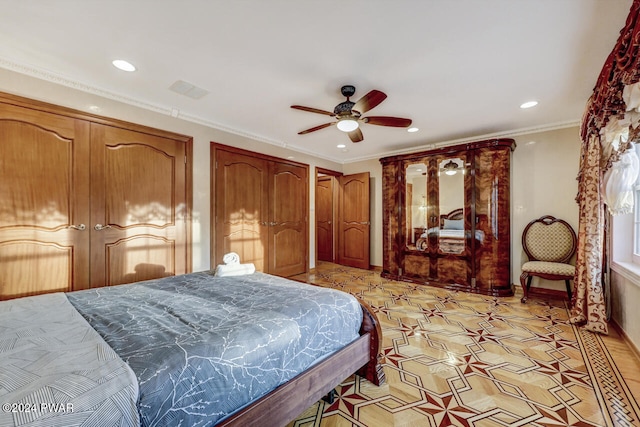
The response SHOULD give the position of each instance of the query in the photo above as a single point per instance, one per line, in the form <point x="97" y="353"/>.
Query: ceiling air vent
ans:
<point x="187" y="89"/>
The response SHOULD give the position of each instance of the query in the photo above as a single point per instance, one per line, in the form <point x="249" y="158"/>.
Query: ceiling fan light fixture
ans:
<point x="347" y="125"/>
<point x="451" y="168"/>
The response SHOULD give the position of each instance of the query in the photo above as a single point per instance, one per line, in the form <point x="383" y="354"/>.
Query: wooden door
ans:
<point x="138" y="208"/>
<point x="288" y="229"/>
<point x="241" y="208"/>
<point x="325" y="187"/>
<point x="354" y="223"/>
<point x="44" y="202"/>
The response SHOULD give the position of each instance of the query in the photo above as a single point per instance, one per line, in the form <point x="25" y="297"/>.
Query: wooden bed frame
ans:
<point x="282" y="405"/>
<point x="454" y="214"/>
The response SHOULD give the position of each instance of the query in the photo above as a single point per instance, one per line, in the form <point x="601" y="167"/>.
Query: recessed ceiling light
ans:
<point x="341" y="146"/>
<point x="94" y="108"/>
<point x="529" y="104"/>
<point x="290" y="157"/>
<point x="413" y="130"/>
<point x="123" y="65"/>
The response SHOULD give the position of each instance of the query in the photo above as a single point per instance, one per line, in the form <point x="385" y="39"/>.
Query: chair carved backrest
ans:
<point x="549" y="239"/>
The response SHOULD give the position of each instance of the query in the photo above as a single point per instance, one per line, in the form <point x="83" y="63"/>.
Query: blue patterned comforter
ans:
<point x="203" y="347"/>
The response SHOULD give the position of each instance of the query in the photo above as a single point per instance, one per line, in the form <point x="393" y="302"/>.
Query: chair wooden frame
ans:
<point x="527" y="276"/>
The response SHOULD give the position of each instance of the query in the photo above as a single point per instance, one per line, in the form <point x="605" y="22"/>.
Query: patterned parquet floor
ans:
<point x="460" y="359"/>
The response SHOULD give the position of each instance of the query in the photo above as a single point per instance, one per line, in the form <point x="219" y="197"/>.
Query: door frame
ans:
<point x="335" y="174"/>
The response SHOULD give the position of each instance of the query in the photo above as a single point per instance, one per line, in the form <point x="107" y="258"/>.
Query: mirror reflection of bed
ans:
<point x="450" y="233"/>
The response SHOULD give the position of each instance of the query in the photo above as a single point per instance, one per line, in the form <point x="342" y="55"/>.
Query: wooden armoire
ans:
<point x="260" y="210"/>
<point x="446" y="219"/>
<point x="87" y="201"/>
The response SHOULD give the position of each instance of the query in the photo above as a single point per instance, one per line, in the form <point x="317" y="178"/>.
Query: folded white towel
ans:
<point x="231" y="258"/>
<point x="235" y="269"/>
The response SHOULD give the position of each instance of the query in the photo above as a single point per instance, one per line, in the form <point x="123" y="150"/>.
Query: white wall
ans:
<point x="625" y="278"/>
<point x="544" y="168"/>
<point x="625" y="296"/>
<point x="22" y="85"/>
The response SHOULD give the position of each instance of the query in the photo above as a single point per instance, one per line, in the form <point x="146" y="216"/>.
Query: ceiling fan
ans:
<point x="349" y="113"/>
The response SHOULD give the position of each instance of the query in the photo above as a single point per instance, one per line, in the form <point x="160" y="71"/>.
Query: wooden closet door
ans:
<point x="324" y="218"/>
<point x="354" y="225"/>
<point x="44" y="194"/>
<point x="287" y="219"/>
<point x="138" y="208"/>
<point x="241" y="208"/>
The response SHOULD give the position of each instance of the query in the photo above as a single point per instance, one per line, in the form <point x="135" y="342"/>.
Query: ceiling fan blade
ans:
<point x="356" y="135"/>
<point x="369" y="101"/>
<point x="396" y="122"/>
<point x="313" y="129"/>
<point x="313" y="110"/>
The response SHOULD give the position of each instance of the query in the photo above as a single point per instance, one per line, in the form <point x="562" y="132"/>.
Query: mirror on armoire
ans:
<point x="416" y="200"/>
<point x="451" y="234"/>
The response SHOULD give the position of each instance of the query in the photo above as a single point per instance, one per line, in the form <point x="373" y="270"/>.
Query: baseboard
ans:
<point x="626" y="338"/>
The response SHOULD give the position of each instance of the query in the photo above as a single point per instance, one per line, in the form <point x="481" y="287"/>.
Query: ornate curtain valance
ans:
<point x="613" y="110"/>
<point x="609" y="122"/>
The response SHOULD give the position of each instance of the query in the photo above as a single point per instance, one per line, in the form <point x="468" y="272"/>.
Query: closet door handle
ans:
<point x="99" y="227"/>
<point x="78" y="227"/>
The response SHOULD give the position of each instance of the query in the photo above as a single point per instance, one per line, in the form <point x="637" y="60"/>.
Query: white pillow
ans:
<point x="453" y="224"/>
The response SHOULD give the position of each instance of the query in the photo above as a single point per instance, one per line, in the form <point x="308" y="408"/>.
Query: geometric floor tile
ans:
<point x="458" y="359"/>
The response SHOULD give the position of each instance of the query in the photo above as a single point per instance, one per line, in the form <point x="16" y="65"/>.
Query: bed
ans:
<point x="451" y="234"/>
<point x="193" y="350"/>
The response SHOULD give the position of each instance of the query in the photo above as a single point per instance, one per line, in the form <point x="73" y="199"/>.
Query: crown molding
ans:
<point x="504" y="134"/>
<point x="49" y="76"/>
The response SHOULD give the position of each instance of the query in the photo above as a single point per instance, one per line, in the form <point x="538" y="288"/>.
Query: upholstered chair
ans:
<point x="549" y="243"/>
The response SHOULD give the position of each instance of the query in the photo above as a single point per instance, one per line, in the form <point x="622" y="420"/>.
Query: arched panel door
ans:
<point x="241" y="208"/>
<point x="44" y="202"/>
<point x="288" y="219"/>
<point x="354" y="223"/>
<point x="138" y="208"/>
<point x="325" y="222"/>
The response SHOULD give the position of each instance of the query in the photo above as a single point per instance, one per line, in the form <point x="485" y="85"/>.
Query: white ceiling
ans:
<point x="458" y="68"/>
